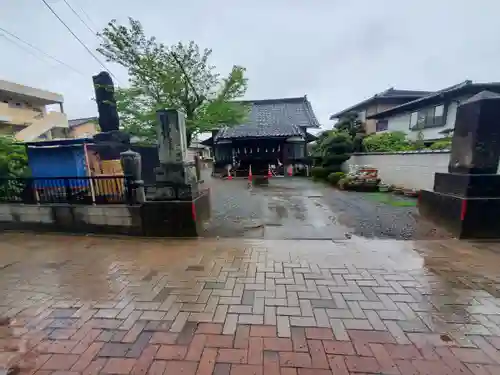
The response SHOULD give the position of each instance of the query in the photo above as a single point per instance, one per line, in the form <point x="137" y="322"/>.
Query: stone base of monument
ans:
<point x="468" y="185"/>
<point x="468" y="206"/>
<point x="176" y="218"/>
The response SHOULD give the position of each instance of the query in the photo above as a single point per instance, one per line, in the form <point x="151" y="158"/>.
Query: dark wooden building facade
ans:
<point x="275" y="135"/>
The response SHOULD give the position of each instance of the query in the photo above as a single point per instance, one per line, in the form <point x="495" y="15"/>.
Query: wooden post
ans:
<point x="91" y="182"/>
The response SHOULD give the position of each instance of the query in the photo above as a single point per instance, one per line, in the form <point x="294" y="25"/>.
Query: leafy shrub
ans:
<point x="319" y="173"/>
<point x="357" y="183"/>
<point x="443" y="144"/>
<point x="335" y="177"/>
<point x="337" y="149"/>
<point x="13" y="157"/>
<point x="387" y="142"/>
<point x="332" y="149"/>
<point x="343" y="182"/>
<point x="13" y="163"/>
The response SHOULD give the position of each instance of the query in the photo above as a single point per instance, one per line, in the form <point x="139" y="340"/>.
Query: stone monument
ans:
<point x="466" y="200"/>
<point x="176" y="206"/>
<point x="132" y="167"/>
<point x="175" y="177"/>
<point x="109" y="121"/>
<point x="111" y="137"/>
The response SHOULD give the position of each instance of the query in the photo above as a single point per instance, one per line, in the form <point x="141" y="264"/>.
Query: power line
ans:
<point x="80" y="18"/>
<point x="94" y="25"/>
<point x="78" y="39"/>
<point x="36" y="49"/>
<point x="20" y="46"/>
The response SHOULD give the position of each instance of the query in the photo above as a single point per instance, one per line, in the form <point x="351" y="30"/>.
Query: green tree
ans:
<point x="332" y="149"/>
<point x="13" y="163"/>
<point x="13" y="158"/>
<point x="178" y="76"/>
<point x="350" y="124"/>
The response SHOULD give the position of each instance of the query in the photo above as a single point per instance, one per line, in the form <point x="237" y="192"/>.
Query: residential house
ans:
<point x="275" y="133"/>
<point x="433" y="116"/>
<point x="379" y="102"/>
<point x="24" y="113"/>
<point x="83" y="127"/>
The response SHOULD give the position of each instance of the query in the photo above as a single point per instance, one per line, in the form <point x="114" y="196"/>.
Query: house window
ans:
<point x="382" y="125"/>
<point x="439" y="115"/>
<point x="428" y="117"/>
<point x="413" y="119"/>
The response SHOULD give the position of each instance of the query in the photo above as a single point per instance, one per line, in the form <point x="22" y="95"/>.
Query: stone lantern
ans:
<point x="132" y="166"/>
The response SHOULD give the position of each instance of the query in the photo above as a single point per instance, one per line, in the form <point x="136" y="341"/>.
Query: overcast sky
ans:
<point x="337" y="52"/>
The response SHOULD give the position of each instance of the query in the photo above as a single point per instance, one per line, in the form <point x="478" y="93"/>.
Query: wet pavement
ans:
<point x="298" y="208"/>
<point x="95" y="305"/>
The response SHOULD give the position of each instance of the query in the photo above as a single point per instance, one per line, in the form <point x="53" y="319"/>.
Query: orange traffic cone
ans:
<point x="250" y="173"/>
<point x="269" y="174"/>
<point x="290" y="170"/>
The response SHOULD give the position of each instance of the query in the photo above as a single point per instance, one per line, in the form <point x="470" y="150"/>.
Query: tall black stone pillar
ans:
<point x="466" y="200"/>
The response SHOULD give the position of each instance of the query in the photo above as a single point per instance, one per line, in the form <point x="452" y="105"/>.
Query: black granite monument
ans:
<point x="109" y="121"/>
<point x="111" y="140"/>
<point x="466" y="200"/>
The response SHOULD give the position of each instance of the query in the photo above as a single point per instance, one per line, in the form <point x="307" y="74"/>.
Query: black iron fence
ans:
<point x="74" y="190"/>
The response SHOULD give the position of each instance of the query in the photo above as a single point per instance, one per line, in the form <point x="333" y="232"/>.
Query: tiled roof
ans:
<point x="384" y="95"/>
<point x="458" y="89"/>
<point x="81" y="121"/>
<point x="273" y="118"/>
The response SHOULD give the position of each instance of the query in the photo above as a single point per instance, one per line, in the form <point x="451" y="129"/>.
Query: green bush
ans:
<point x="13" y="163"/>
<point x="332" y="148"/>
<point x="443" y="144"/>
<point x="335" y="177"/>
<point x="387" y="142"/>
<point x="319" y="173"/>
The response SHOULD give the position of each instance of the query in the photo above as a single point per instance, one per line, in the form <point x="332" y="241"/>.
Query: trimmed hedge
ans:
<point x="335" y="177"/>
<point x="322" y="173"/>
<point x="319" y="173"/>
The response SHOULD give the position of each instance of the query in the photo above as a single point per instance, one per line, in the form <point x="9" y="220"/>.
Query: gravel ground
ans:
<point x="368" y="218"/>
<point x="297" y="208"/>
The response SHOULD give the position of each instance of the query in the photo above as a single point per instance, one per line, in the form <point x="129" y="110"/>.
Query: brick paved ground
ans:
<point x="87" y="305"/>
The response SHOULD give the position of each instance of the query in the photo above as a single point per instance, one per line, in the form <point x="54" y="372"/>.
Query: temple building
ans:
<point x="274" y="135"/>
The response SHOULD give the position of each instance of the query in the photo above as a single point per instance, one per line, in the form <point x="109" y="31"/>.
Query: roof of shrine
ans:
<point x="273" y="118"/>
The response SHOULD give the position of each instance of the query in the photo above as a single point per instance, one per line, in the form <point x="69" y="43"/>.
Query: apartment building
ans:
<point x="83" y="127"/>
<point x="24" y="113"/>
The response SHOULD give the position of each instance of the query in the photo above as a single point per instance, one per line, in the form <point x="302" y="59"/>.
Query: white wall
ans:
<point x="401" y="122"/>
<point x="412" y="169"/>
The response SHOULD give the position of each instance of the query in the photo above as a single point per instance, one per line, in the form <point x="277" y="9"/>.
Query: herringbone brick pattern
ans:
<point x="83" y="305"/>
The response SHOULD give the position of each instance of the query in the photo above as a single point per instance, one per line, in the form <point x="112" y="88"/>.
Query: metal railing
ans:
<point x="73" y="190"/>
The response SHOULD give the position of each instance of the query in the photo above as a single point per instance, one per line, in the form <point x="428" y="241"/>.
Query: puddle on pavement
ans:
<point x="451" y="282"/>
